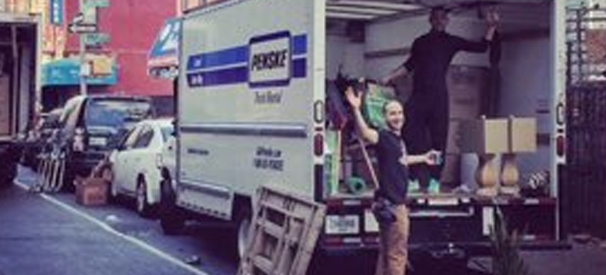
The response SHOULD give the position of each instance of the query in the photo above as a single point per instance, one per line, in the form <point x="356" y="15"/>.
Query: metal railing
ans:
<point x="586" y="44"/>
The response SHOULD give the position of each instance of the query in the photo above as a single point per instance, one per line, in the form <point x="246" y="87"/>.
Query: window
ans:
<point x="145" y="137"/>
<point x="129" y="140"/>
<point x="166" y="132"/>
<point x="116" y="112"/>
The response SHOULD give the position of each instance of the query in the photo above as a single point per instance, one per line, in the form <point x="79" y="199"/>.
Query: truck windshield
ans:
<point x="116" y="113"/>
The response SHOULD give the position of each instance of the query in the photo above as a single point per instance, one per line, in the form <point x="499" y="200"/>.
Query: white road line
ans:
<point x="111" y="230"/>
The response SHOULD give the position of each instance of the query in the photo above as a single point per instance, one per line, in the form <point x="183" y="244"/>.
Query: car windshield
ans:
<point x="116" y="112"/>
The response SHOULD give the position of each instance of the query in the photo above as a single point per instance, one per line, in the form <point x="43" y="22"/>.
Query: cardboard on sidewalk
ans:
<point x="91" y="191"/>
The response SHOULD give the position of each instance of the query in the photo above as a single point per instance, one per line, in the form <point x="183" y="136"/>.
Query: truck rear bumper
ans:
<point x="470" y="249"/>
<point x="445" y="224"/>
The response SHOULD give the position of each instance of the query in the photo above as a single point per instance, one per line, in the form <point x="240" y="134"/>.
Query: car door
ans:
<point x="135" y="162"/>
<point x="121" y="158"/>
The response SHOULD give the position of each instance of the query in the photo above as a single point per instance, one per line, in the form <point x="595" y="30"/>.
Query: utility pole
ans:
<point x="83" y="71"/>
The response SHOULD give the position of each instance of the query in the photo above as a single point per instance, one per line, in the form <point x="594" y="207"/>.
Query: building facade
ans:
<point x="117" y="52"/>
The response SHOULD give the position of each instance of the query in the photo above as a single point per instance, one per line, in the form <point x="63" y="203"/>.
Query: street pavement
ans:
<point x="39" y="237"/>
<point x="51" y="234"/>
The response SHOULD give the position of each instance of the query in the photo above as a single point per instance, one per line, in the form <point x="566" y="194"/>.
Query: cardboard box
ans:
<point x="484" y="136"/>
<point x="91" y="191"/>
<point x="522" y="135"/>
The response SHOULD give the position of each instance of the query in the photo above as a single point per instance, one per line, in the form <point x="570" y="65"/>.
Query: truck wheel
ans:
<point x="143" y="207"/>
<point x="243" y="220"/>
<point x="172" y="220"/>
<point x="9" y="172"/>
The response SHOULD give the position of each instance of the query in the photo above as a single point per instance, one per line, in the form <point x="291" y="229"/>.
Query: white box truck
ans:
<point x="251" y="112"/>
<point x="19" y="85"/>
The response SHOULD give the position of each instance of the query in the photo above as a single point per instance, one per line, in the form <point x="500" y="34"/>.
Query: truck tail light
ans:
<point x="560" y="146"/>
<point x="78" y="144"/>
<point x="318" y="145"/>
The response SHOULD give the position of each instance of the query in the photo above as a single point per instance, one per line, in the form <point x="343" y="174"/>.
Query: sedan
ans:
<point x="135" y="164"/>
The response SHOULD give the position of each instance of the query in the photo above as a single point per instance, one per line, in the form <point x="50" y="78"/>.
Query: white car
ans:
<point x="135" y="164"/>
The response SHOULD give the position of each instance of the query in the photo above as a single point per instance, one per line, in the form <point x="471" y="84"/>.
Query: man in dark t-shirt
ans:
<point x="427" y="108"/>
<point x="393" y="162"/>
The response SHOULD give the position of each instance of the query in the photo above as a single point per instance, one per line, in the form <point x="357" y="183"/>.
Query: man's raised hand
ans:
<point x="353" y="98"/>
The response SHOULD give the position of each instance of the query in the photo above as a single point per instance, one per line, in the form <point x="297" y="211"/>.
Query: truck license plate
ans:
<point x="347" y="224"/>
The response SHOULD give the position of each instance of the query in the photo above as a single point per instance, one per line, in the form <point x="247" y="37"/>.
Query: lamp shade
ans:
<point x="484" y="136"/>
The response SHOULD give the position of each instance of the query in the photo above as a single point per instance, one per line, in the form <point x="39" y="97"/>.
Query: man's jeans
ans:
<point x="393" y="247"/>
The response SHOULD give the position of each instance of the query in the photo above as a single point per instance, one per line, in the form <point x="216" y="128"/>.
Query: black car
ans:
<point x="91" y="126"/>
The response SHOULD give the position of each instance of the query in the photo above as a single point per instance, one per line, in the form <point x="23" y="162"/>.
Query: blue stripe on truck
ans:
<point x="299" y="44"/>
<point x="237" y="75"/>
<point x="236" y="55"/>
<point x="218" y="77"/>
<point x="218" y="58"/>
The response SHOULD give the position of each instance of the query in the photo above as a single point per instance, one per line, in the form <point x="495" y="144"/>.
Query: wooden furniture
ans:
<point x="486" y="137"/>
<point x="522" y="137"/>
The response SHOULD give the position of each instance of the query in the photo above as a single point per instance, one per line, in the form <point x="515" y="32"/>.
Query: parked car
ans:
<point x="39" y="137"/>
<point x="91" y="126"/>
<point x="136" y="161"/>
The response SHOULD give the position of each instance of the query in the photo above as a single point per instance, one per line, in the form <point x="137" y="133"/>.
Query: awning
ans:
<point x="66" y="72"/>
<point x="163" y="60"/>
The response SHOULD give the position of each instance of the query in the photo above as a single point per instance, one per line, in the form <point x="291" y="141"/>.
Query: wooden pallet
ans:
<point x="283" y="233"/>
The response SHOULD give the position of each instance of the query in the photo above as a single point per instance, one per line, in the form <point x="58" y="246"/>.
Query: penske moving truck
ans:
<point x="252" y="111"/>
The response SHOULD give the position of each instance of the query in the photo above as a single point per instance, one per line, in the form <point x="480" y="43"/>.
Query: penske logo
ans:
<point x="270" y="60"/>
<point x="273" y="60"/>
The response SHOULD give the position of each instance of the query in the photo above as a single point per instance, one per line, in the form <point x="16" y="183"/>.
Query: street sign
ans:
<point x="95" y="39"/>
<point x="56" y="12"/>
<point x="79" y="18"/>
<point x="95" y="4"/>
<point x="75" y="28"/>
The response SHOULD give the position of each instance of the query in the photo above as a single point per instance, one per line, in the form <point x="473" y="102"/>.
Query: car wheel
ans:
<point x="112" y="190"/>
<point x="143" y="207"/>
<point x="172" y="220"/>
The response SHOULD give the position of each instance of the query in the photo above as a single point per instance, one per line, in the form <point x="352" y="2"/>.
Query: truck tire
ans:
<point x="242" y="222"/>
<point x="172" y="219"/>
<point x="8" y="172"/>
<point x="9" y="154"/>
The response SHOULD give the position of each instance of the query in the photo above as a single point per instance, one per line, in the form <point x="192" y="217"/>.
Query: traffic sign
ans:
<point x="95" y="39"/>
<point x="95" y="4"/>
<point x="76" y="28"/>
<point x="79" y="18"/>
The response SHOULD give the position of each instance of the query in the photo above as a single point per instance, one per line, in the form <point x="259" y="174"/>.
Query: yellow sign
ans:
<point x="101" y="64"/>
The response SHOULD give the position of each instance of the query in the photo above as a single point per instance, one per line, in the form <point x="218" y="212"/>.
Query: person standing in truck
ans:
<point x="393" y="162"/>
<point x="427" y="109"/>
